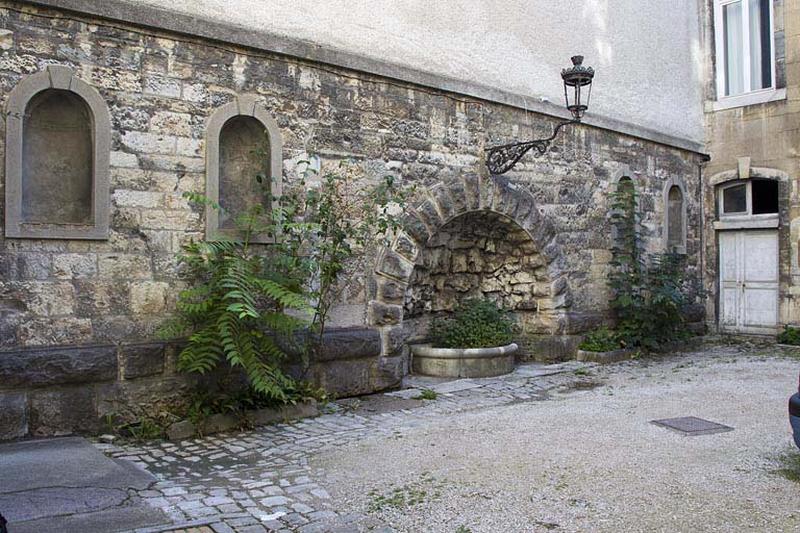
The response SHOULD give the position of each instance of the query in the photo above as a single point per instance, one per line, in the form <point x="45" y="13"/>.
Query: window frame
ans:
<point x="748" y="183"/>
<point x="749" y="96"/>
<point x="63" y="78"/>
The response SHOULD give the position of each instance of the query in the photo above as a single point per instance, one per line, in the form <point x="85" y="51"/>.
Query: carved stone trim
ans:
<point x="63" y="78"/>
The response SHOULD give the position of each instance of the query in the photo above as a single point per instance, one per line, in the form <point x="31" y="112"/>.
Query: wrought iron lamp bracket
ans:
<point x="501" y="159"/>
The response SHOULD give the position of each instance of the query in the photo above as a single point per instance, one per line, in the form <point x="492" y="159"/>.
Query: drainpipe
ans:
<point x="705" y="158"/>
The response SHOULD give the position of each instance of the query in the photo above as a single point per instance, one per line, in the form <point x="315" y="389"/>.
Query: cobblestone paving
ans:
<point x="260" y="480"/>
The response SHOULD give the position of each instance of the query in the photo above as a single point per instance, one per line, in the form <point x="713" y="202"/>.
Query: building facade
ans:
<point x="113" y="110"/>
<point x="750" y="183"/>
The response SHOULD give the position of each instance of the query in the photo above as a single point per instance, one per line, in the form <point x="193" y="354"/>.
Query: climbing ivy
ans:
<point x="649" y="291"/>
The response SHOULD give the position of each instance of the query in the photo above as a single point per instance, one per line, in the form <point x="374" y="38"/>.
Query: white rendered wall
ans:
<point x="646" y="52"/>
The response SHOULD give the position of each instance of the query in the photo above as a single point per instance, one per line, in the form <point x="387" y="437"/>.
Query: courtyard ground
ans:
<point x="564" y="448"/>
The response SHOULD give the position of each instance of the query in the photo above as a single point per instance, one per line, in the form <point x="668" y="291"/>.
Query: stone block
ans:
<point x="395" y="266"/>
<point x="149" y="297"/>
<point x="124" y="267"/>
<point x="351" y="343"/>
<point x="63" y="412"/>
<point x="71" y="266"/>
<point x="13" y="415"/>
<point x="54" y="331"/>
<point x="140" y="360"/>
<point x="57" y="366"/>
<point x="6" y="39"/>
<point x="381" y="314"/>
<point x="390" y="291"/>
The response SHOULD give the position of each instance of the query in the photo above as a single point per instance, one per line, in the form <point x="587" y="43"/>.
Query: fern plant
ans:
<point x="235" y="310"/>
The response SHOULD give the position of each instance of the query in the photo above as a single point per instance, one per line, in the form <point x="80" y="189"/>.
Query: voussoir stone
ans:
<point x="57" y="366"/>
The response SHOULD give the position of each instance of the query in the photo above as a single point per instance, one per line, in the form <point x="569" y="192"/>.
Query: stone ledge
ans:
<point x="44" y="367"/>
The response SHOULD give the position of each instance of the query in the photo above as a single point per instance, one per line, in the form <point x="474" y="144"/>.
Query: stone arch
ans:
<point x="58" y="90"/>
<point x="244" y="110"/>
<point x="437" y="206"/>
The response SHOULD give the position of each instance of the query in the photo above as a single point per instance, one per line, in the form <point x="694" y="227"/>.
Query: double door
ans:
<point x="748" y="281"/>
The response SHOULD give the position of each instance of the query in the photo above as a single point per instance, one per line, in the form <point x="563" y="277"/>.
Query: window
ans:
<point x="744" y="46"/>
<point x="242" y="142"/>
<point x="57" y="152"/>
<point x="753" y="197"/>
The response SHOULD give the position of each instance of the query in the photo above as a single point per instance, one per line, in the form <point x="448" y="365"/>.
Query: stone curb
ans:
<point x="186" y="429"/>
<point x="614" y="356"/>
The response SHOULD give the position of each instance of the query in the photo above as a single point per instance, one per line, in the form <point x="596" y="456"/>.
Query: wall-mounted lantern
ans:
<point x="577" y="86"/>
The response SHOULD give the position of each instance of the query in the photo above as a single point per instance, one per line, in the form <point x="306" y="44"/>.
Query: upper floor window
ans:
<point x="751" y="197"/>
<point x="744" y="46"/>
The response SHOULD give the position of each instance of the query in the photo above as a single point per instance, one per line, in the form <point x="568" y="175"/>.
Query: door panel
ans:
<point x="748" y="281"/>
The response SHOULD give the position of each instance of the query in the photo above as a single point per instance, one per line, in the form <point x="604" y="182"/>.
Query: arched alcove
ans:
<point x="57" y="155"/>
<point x="482" y="254"/>
<point x="675" y="224"/>
<point x="243" y="154"/>
<point x="472" y="216"/>
<point x="57" y="159"/>
<point x="242" y="141"/>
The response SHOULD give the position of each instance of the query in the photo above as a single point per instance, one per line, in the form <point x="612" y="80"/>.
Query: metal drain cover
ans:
<point x="692" y="426"/>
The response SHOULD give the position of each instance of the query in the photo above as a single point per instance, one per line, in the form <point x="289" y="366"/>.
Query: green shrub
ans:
<point x="601" y="340"/>
<point x="789" y="335"/>
<point x="476" y="323"/>
<point x="650" y="291"/>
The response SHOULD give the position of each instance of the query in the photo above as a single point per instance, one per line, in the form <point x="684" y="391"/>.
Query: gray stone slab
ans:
<point x="104" y="521"/>
<point x="34" y="367"/>
<point x="69" y="485"/>
<point x="65" y="462"/>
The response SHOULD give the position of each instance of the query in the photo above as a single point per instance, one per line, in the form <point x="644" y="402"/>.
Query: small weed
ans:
<point x="790" y="466"/>
<point x="406" y="496"/>
<point x="463" y="529"/>
<point x="427" y="394"/>
<point x="582" y="372"/>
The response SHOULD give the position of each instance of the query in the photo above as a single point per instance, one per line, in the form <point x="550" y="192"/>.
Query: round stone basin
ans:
<point x="463" y="362"/>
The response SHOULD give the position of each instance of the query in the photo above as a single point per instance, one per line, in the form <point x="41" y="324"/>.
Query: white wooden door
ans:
<point x="748" y="281"/>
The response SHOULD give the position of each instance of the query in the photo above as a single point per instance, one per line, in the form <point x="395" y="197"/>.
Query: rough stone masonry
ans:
<point x="77" y="317"/>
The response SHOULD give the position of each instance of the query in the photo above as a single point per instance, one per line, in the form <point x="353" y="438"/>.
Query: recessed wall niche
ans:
<point x="243" y="154"/>
<point x="57" y="150"/>
<point x="57" y="160"/>
<point x="242" y="141"/>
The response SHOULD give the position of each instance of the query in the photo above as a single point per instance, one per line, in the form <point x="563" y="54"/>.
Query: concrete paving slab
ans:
<point x="67" y="484"/>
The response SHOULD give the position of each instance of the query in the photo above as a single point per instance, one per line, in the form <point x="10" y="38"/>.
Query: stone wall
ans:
<point x="161" y="89"/>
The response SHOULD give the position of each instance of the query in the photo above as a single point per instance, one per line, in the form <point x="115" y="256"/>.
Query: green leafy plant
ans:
<point x="349" y="214"/>
<point x="601" y="340"/>
<point x="789" y="335"/>
<point x="427" y="394"/>
<point x="476" y="323"/>
<point x="649" y="292"/>
<point x="249" y="306"/>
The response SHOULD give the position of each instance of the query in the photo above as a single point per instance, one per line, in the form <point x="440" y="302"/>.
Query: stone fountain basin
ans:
<point x="463" y="362"/>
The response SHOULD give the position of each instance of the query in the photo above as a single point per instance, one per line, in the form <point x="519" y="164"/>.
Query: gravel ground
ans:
<point x="588" y="459"/>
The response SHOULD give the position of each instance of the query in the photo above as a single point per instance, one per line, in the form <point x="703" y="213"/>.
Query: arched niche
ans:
<point x="675" y="223"/>
<point x="242" y="141"/>
<point x="57" y="154"/>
